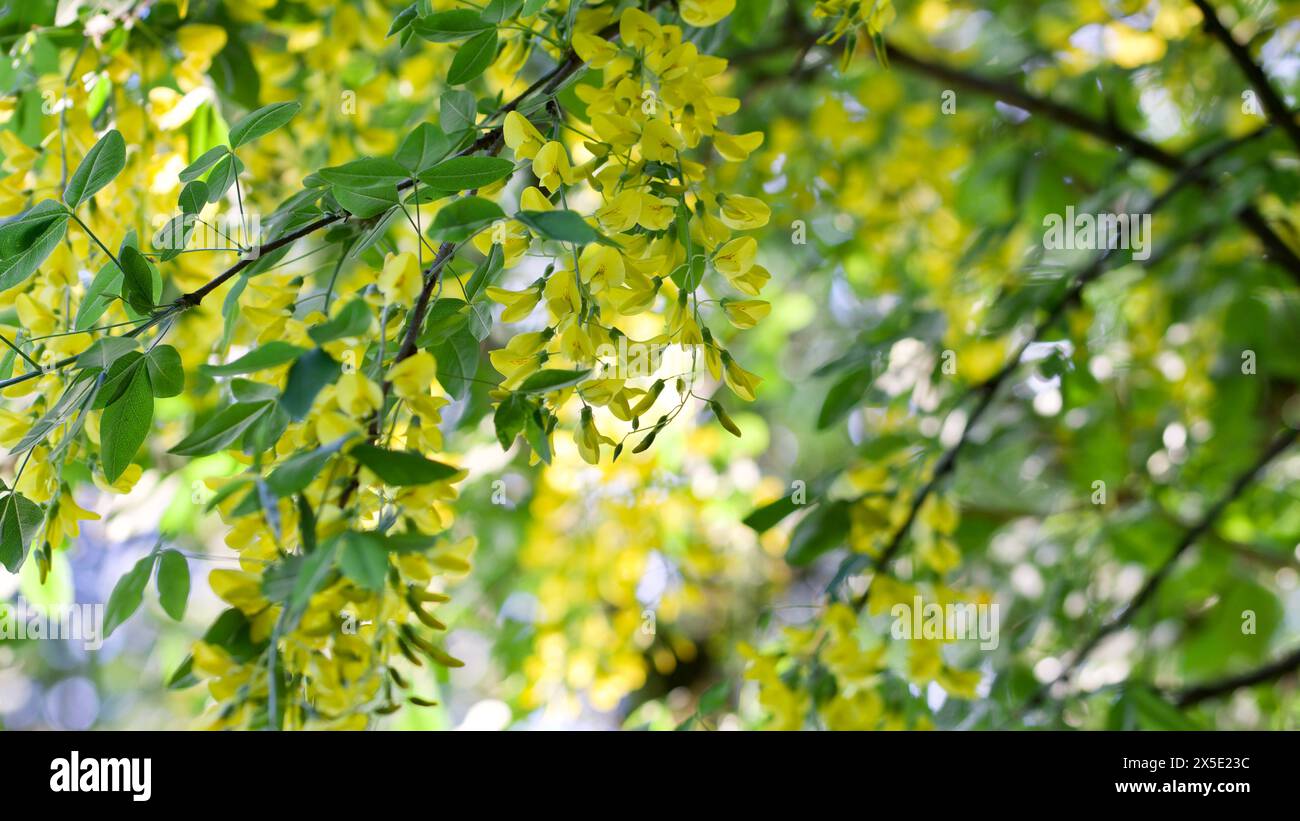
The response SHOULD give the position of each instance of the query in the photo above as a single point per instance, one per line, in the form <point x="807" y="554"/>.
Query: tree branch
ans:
<point x="1009" y="92"/>
<point x="1213" y="689"/>
<point x="988" y="389"/>
<point x="1283" y="441"/>
<point x="1272" y="100"/>
<point x="548" y="82"/>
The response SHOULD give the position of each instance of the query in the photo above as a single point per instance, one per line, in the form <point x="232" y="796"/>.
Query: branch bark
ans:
<point x="1009" y="92"/>
<point x="987" y="390"/>
<point x="1269" y="96"/>
<point x="1214" y="689"/>
<point x="1283" y="441"/>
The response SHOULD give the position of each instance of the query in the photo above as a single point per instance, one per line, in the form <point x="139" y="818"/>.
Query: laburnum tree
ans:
<point x="437" y="313"/>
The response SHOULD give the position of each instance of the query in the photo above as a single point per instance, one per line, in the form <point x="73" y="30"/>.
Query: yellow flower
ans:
<point x="736" y="257"/>
<point x="238" y="589"/>
<point x="602" y="266"/>
<point x="64" y="523"/>
<point x="522" y="136"/>
<point x="401" y="279"/>
<point x="621" y="212"/>
<point x="413" y="376"/>
<point x="595" y="51"/>
<point x="860" y="711"/>
<point x="589" y="439"/>
<point x="519" y="304"/>
<point x="660" y="142"/>
<point x="745" y="313"/>
<point x="656" y="213"/>
<point x="743" y="213"/>
<point x="742" y="382"/>
<point x="737" y="148"/>
<point x="201" y="40"/>
<point x="752" y="281"/>
<point x="357" y="395"/>
<point x="638" y="29"/>
<point x="551" y="165"/>
<point x="959" y="683"/>
<point x="703" y="13"/>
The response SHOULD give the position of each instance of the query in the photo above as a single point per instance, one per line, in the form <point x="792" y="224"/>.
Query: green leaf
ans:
<point x="209" y="158"/>
<point x="769" y="515"/>
<point x="248" y="390"/>
<point x="266" y="431"/>
<point x="137" y="280"/>
<point x="193" y="197"/>
<point x="553" y="380"/>
<point x="124" y="425"/>
<point x="821" y="530"/>
<point x="117" y="378"/>
<point x="28" y="239"/>
<point x="99" y="295"/>
<point x="106" y="350"/>
<point x="509" y="419"/>
<point x="447" y="26"/>
<point x="20" y="519"/>
<point x="399" y="467"/>
<point x="183" y="676"/>
<point x="464" y="173"/>
<point x="403" y="19"/>
<point x="535" y="433"/>
<point x="457" y="112"/>
<point x="473" y="58"/>
<point x="270" y="355"/>
<point x="499" y="11"/>
<point x="363" y="173"/>
<point x="562" y="225"/>
<point x="225" y="426"/>
<point x="298" y="471"/>
<point x="102" y="163"/>
<point x="463" y="218"/>
<point x="173" y="583"/>
<point x="364" y="560"/>
<point x="353" y="320"/>
<point x="749" y="18"/>
<point x="485" y="274"/>
<point x="127" y="594"/>
<point x="457" y="359"/>
<point x="262" y="122"/>
<point x="845" y="394"/>
<point x="166" y="376"/>
<point x="422" y="148"/>
<point x="223" y="176"/>
<point x="367" y="202"/>
<point x="70" y="402"/>
<point x="173" y="237"/>
<point x="312" y="372"/>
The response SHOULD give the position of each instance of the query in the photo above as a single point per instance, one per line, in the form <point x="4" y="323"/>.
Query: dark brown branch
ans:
<point x="1283" y="441"/>
<point x="1106" y="130"/>
<point x="1272" y="100"/>
<point x="988" y="389"/>
<point x="1213" y="689"/>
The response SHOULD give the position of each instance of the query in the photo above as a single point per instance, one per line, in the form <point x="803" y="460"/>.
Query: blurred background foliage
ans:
<point x="909" y="175"/>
